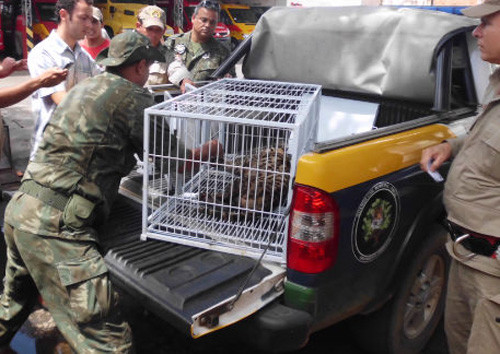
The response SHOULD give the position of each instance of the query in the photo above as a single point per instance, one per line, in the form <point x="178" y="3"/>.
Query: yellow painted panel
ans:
<point x="41" y="30"/>
<point x="355" y="164"/>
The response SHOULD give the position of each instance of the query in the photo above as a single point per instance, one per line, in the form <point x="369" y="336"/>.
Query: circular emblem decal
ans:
<point x="375" y="222"/>
<point x="156" y="14"/>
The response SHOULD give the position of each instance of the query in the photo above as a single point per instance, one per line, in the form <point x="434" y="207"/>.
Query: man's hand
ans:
<point x="9" y="65"/>
<point x="52" y="77"/>
<point x="184" y="83"/>
<point x="210" y="151"/>
<point x="437" y="154"/>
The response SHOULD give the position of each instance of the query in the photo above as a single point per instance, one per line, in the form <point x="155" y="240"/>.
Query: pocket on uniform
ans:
<point x="88" y="286"/>
<point x="491" y="159"/>
<point x="78" y="212"/>
<point x="495" y="299"/>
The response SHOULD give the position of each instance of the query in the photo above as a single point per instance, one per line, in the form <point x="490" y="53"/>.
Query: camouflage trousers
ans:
<point x="73" y="281"/>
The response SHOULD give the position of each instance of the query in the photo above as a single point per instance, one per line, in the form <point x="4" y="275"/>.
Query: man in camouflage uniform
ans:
<point x="152" y="22"/>
<point x="195" y="55"/>
<point x="52" y="245"/>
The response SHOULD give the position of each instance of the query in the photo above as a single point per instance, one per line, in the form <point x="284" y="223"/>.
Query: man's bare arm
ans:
<point x="12" y="95"/>
<point x="438" y="154"/>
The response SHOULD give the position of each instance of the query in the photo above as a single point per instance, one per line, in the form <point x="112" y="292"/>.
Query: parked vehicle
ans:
<point x="361" y="235"/>
<point x="240" y="19"/>
<point x="9" y="14"/>
<point x="44" y="18"/>
<point x="260" y="10"/>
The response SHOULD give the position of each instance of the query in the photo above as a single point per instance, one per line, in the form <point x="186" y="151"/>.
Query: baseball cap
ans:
<point x="488" y="7"/>
<point x="129" y="47"/>
<point x="97" y="14"/>
<point x="152" y="16"/>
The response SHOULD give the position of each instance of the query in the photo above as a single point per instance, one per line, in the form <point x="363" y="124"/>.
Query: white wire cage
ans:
<point x="238" y="200"/>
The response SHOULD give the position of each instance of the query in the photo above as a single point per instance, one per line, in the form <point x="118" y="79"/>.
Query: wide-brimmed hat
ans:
<point x="152" y="16"/>
<point x="128" y="47"/>
<point x="487" y="8"/>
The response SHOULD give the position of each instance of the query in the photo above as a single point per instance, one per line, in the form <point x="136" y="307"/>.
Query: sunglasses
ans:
<point x="210" y="5"/>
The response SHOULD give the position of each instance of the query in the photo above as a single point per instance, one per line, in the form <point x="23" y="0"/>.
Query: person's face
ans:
<point x="144" y="71"/>
<point x="94" y="31"/>
<point x="79" y="22"/>
<point x="154" y="33"/>
<point x="488" y="38"/>
<point x="204" y="23"/>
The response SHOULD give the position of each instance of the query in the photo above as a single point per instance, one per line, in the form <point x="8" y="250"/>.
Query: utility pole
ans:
<point x="28" y="18"/>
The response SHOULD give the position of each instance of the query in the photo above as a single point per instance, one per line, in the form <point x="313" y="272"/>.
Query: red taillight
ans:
<point x="313" y="231"/>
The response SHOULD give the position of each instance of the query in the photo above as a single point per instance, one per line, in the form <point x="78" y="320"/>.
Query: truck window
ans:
<point x="243" y="15"/>
<point x="47" y="11"/>
<point x="224" y="18"/>
<point x="462" y="87"/>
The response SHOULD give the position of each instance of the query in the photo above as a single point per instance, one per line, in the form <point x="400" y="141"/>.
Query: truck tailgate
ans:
<point x="190" y="288"/>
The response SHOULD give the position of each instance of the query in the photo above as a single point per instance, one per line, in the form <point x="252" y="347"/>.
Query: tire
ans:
<point x="406" y="323"/>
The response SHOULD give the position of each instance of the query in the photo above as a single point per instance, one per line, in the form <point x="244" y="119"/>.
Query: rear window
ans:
<point x="47" y="11"/>
<point x="243" y="15"/>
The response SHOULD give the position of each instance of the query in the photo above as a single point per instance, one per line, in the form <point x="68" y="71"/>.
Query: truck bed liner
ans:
<point x="174" y="281"/>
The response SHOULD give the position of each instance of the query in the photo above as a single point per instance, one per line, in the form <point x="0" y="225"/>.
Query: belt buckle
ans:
<point x="459" y="240"/>
<point x="453" y="230"/>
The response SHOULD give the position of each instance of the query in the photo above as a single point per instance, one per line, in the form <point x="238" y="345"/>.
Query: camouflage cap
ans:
<point x="487" y="8"/>
<point x="152" y="16"/>
<point x="129" y="47"/>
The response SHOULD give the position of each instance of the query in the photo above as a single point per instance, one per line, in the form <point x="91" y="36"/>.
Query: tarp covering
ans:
<point x="373" y="50"/>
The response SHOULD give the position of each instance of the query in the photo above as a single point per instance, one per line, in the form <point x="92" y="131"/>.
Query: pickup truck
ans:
<point x="393" y="82"/>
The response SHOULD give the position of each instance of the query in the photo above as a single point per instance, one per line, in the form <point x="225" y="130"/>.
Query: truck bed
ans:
<point x="174" y="281"/>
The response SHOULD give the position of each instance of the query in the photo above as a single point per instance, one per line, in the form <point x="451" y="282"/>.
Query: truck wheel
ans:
<point x="407" y="322"/>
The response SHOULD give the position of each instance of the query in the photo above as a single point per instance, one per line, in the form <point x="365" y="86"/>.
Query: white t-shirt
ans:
<point x="49" y="53"/>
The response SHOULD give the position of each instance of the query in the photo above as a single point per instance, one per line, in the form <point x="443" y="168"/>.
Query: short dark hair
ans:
<point x="69" y="6"/>
<point x="209" y="5"/>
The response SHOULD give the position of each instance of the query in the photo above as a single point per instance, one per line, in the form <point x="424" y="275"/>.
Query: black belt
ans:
<point x="485" y="245"/>
<point x="44" y="194"/>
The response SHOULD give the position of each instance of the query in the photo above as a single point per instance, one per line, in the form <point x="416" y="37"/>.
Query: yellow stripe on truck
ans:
<point x="355" y="164"/>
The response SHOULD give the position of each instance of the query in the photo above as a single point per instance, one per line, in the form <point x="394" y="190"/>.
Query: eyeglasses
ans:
<point x="209" y="5"/>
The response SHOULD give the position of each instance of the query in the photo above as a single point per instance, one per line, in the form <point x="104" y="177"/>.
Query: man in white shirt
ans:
<point x="61" y="49"/>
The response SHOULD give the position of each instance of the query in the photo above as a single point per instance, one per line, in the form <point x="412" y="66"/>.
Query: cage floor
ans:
<point x="186" y="217"/>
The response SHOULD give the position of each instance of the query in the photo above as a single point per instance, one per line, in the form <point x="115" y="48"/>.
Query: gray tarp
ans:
<point x="374" y="50"/>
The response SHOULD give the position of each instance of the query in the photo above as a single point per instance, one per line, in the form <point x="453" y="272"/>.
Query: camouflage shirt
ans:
<point x="201" y="59"/>
<point x="86" y="149"/>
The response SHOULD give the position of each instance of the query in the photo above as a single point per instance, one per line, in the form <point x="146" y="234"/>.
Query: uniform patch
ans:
<point x="375" y="222"/>
<point x="180" y="49"/>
